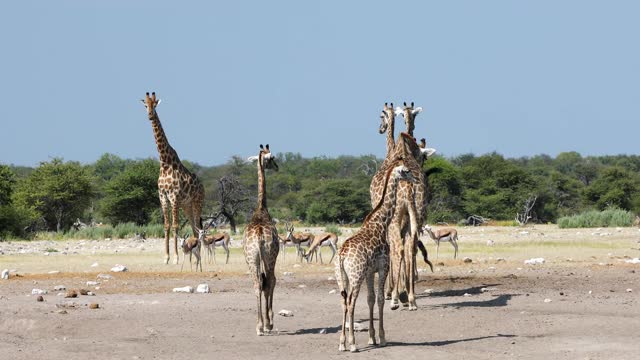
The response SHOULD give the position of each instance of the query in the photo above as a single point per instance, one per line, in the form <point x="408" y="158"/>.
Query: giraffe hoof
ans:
<point x="341" y="348"/>
<point x="353" y="349"/>
<point x="372" y="342"/>
<point x="394" y="306"/>
<point x="383" y="343"/>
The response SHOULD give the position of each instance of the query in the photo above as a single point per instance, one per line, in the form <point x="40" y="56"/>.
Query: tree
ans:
<point x="132" y="195"/>
<point x="233" y="198"/>
<point x="338" y="200"/>
<point x="59" y="192"/>
<point x="616" y="187"/>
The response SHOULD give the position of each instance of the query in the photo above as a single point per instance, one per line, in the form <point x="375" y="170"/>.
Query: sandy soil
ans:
<point x="590" y="315"/>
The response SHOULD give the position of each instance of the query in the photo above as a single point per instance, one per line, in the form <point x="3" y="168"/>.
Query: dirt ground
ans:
<point x="582" y="303"/>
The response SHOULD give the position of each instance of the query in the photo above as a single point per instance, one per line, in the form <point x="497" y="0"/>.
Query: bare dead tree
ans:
<point x="233" y="198"/>
<point x="476" y="220"/>
<point x="524" y="217"/>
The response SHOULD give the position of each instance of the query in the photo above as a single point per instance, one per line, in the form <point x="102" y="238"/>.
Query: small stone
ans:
<point x="92" y="283"/>
<point x="104" y="276"/>
<point x="84" y="292"/>
<point x="94" y="306"/>
<point x="629" y="290"/>
<point x="428" y="291"/>
<point x="483" y="290"/>
<point x="633" y="261"/>
<point x="287" y="273"/>
<point x="5" y="274"/>
<point x="534" y="261"/>
<point x="302" y="286"/>
<point x="467" y="260"/>
<point x="561" y="294"/>
<point x="59" y="288"/>
<point x="333" y="291"/>
<point x="119" y="268"/>
<point x="296" y="265"/>
<point x="203" y="289"/>
<point x="89" y="293"/>
<point x="38" y="292"/>
<point x="590" y="292"/>
<point x="62" y="312"/>
<point x="186" y="289"/>
<point x="490" y="242"/>
<point x="331" y="278"/>
<point x="94" y="265"/>
<point x="357" y="326"/>
<point x="39" y="298"/>
<point x="54" y="272"/>
<point x="466" y="295"/>
<point x="322" y="331"/>
<point x="285" y="313"/>
<point x="71" y="294"/>
<point x="547" y="300"/>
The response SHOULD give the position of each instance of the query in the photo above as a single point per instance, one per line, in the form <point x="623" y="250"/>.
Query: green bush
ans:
<point x="333" y="229"/>
<point x="594" y="218"/>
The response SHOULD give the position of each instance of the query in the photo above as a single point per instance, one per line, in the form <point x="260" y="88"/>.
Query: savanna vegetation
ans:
<point x="123" y="192"/>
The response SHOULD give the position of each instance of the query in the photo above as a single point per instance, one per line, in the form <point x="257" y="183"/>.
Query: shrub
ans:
<point x="594" y="218"/>
<point x="333" y="229"/>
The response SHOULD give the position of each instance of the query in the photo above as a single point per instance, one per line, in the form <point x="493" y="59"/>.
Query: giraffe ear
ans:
<point x="399" y="111"/>
<point x="416" y="111"/>
<point x="252" y="158"/>
<point x="428" y="151"/>
<point x="142" y="101"/>
<point x="158" y="102"/>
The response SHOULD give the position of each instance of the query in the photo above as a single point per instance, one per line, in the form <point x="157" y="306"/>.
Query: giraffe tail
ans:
<point x="262" y="276"/>
<point x="342" y="275"/>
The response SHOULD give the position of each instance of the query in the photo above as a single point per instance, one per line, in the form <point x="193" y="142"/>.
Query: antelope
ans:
<point x="191" y="245"/>
<point x="444" y="234"/>
<point x="220" y="239"/>
<point x="298" y="239"/>
<point x="323" y="239"/>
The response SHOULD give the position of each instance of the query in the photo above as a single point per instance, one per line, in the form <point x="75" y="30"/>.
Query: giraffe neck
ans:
<point x="262" y="188"/>
<point x="411" y="123"/>
<point x="381" y="216"/>
<point x="391" y="142"/>
<point x="164" y="149"/>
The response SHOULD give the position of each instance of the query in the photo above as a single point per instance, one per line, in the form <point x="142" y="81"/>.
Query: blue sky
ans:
<point x="520" y="78"/>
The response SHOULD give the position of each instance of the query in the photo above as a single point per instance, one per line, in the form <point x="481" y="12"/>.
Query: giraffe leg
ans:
<point x="371" y="301"/>
<point x="175" y="220"/>
<point x="352" y="307"/>
<point x="257" y="285"/>
<point x="396" y="273"/>
<point x="343" y="302"/>
<point x="382" y="275"/>
<point x="269" y="301"/>
<point x="167" y="226"/>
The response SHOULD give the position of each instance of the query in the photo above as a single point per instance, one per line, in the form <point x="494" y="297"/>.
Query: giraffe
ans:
<point x="261" y="245"/>
<point x="408" y="218"/>
<point x="177" y="186"/>
<point x="367" y="253"/>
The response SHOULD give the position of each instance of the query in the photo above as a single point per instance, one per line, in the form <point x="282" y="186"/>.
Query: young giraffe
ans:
<point x="261" y="245"/>
<point x="177" y="186"/>
<point x="367" y="253"/>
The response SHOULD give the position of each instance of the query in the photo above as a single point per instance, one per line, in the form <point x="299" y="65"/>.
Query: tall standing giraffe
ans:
<point x="404" y="227"/>
<point x="367" y="253"/>
<point x="177" y="186"/>
<point x="261" y="245"/>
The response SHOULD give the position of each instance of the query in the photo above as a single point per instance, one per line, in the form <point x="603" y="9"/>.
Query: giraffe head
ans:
<point x="387" y="116"/>
<point x="268" y="159"/>
<point x="409" y="113"/>
<point x="150" y="103"/>
<point x="401" y="172"/>
<point x="425" y="151"/>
